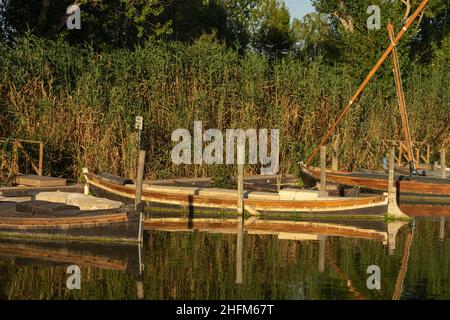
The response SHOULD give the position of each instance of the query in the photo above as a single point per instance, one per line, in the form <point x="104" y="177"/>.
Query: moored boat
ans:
<point x="286" y="201"/>
<point x="420" y="186"/>
<point x="58" y="221"/>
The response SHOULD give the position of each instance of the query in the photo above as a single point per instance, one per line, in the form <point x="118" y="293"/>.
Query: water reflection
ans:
<point x="239" y="249"/>
<point x="233" y="260"/>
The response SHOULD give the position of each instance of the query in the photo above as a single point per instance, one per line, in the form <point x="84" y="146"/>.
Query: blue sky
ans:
<point x="298" y="8"/>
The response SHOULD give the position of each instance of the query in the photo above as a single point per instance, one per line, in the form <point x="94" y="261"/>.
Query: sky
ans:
<point x="298" y="8"/>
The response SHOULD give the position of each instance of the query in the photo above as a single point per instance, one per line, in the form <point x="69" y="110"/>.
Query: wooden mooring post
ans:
<point x="323" y="164"/>
<point x="240" y="180"/>
<point x="391" y="170"/>
<point x="443" y="166"/>
<point x="86" y="185"/>
<point x="41" y="159"/>
<point x="139" y="181"/>
<point x="138" y="195"/>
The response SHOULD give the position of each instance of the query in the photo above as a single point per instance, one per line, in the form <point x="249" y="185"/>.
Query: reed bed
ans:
<point x="82" y="103"/>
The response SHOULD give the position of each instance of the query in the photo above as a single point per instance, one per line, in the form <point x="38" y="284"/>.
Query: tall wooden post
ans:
<point x="335" y="156"/>
<point x="441" y="228"/>
<point x="391" y="170"/>
<point x="443" y="167"/>
<point x="139" y="181"/>
<point x="240" y="204"/>
<point x="41" y="158"/>
<point x="323" y="184"/>
<point x="138" y="195"/>
<point x="86" y="185"/>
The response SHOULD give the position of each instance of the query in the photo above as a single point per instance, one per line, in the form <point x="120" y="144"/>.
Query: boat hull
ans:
<point x="180" y="197"/>
<point x="408" y="187"/>
<point x="103" y="226"/>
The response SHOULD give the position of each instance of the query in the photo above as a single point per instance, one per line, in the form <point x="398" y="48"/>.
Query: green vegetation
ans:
<point x="246" y="66"/>
<point x="222" y="178"/>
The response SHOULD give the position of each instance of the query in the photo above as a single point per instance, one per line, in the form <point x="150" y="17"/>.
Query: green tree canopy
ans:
<point x="273" y="33"/>
<point x="356" y="44"/>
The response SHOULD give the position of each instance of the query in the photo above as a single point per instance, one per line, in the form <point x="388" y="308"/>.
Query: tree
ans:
<point x="119" y="23"/>
<point x="272" y="30"/>
<point x="240" y="16"/>
<point x="125" y="23"/>
<point x="433" y="39"/>
<point x="313" y="37"/>
<point x="360" y="46"/>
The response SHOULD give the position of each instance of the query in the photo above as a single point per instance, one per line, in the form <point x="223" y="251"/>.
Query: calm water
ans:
<point x="203" y="265"/>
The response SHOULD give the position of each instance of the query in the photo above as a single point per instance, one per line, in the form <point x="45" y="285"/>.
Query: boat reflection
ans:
<point x="101" y="256"/>
<point x="308" y="230"/>
<point x="219" y="258"/>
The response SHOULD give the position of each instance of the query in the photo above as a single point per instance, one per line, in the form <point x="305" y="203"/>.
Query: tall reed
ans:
<point x="82" y="103"/>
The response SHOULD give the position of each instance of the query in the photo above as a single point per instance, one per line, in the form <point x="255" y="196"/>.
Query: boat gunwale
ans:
<point x="440" y="188"/>
<point x="228" y="202"/>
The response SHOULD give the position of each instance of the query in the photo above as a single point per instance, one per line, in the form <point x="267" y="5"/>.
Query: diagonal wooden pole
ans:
<point x="368" y="78"/>
<point x="401" y="98"/>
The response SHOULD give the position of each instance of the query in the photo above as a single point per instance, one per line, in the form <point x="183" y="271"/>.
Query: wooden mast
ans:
<point x="401" y="99"/>
<point x="368" y="78"/>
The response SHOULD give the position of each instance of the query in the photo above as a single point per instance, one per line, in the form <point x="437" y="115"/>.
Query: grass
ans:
<point x="82" y="104"/>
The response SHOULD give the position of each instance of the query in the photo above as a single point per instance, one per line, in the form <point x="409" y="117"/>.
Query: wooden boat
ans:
<point x="26" y="191"/>
<point x="259" y="202"/>
<point x="46" y="220"/>
<point x="406" y="185"/>
<point x="425" y="210"/>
